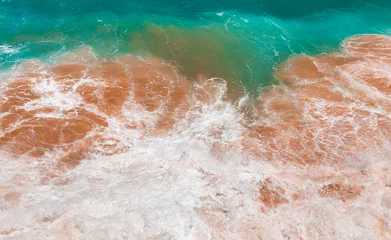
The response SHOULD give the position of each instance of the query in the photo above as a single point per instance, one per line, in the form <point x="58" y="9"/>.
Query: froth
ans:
<point x="164" y="157"/>
<point x="5" y="49"/>
<point x="68" y="107"/>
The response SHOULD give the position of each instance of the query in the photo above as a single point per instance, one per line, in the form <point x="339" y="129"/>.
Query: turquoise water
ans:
<point x="241" y="41"/>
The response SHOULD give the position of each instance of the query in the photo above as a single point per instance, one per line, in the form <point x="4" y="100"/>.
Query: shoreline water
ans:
<point x="131" y="148"/>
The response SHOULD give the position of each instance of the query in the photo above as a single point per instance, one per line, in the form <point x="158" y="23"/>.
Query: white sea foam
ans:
<point x="6" y="49"/>
<point x="197" y="181"/>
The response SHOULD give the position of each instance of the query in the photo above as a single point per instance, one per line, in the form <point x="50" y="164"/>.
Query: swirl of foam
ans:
<point x="68" y="107"/>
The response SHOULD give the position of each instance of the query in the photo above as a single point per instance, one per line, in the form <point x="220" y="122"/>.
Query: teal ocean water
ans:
<point x="240" y="41"/>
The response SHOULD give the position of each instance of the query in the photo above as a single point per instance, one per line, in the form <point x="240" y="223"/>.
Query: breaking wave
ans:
<point x="133" y="148"/>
